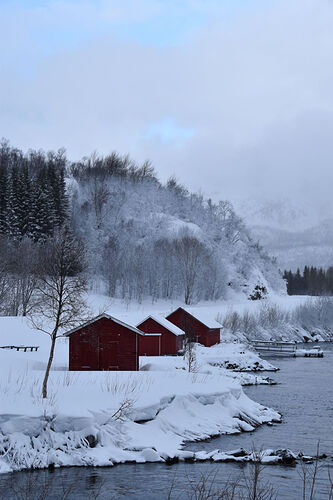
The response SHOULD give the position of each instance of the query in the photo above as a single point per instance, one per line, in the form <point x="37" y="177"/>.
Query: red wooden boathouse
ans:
<point x="104" y="343"/>
<point x="199" y="329"/>
<point x="171" y="337"/>
<point x="150" y="344"/>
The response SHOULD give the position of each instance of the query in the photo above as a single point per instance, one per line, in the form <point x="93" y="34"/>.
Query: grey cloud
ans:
<point x="256" y="91"/>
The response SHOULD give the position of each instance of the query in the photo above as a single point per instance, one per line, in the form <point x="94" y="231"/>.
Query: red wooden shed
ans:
<point x="172" y="337"/>
<point x="196" y="326"/>
<point x="150" y="344"/>
<point x="104" y="343"/>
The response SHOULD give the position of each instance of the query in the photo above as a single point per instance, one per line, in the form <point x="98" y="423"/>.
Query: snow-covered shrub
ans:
<point x="315" y="313"/>
<point x="312" y="319"/>
<point x="271" y="316"/>
<point x="232" y="321"/>
<point x="268" y="316"/>
<point x="258" y="293"/>
<point x="249" y="323"/>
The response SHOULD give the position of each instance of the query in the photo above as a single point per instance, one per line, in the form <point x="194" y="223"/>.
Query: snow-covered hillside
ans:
<point x="146" y="239"/>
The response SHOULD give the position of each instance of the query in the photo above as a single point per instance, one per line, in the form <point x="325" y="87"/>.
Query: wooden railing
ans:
<point x="24" y="348"/>
<point x="281" y="348"/>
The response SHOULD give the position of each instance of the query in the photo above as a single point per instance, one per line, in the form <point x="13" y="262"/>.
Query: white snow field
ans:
<point x="103" y="418"/>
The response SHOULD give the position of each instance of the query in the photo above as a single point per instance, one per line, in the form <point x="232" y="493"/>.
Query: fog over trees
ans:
<point x="142" y="238"/>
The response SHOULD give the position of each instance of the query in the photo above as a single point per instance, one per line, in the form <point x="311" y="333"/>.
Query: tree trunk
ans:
<point x="49" y="363"/>
<point x="187" y="295"/>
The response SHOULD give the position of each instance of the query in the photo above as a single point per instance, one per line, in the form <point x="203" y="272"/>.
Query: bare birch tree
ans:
<point x="61" y="287"/>
<point x="24" y="274"/>
<point x="4" y="287"/>
<point x="190" y="254"/>
<point x="99" y="194"/>
<point x="190" y="354"/>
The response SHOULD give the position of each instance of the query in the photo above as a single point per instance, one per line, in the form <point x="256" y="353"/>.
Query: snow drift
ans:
<point x="100" y="418"/>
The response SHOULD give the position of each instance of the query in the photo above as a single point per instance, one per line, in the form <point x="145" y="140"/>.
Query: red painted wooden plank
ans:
<point x="103" y="345"/>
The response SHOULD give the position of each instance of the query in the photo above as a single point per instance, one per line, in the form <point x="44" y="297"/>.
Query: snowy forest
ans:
<point x="312" y="281"/>
<point x="142" y="238"/>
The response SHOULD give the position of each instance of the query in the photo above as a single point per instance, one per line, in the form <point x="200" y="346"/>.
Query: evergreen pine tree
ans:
<point x="13" y="207"/>
<point x="298" y="284"/>
<point x="24" y="209"/>
<point x="3" y="199"/>
<point x="42" y="209"/>
<point x="306" y="276"/>
<point x="57" y="186"/>
<point x="312" y="280"/>
<point x="321" y="282"/>
<point x="63" y="205"/>
<point x="329" y="280"/>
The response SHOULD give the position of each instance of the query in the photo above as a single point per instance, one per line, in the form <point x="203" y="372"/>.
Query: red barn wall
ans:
<point x="170" y="343"/>
<point x="213" y="337"/>
<point x="104" y="345"/>
<point x="194" y="328"/>
<point x="149" y="345"/>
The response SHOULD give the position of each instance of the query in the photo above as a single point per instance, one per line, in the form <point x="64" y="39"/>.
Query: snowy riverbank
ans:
<point x="100" y="418"/>
<point x="104" y="418"/>
<point x="232" y="360"/>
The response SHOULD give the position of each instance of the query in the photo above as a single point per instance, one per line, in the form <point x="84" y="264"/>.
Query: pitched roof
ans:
<point x="202" y="316"/>
<point x="164" y="322"/>
<point x="106" y="316"/>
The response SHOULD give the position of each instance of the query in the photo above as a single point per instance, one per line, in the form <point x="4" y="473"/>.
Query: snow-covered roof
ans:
<point x="152" y="334"/>
<point x="202" y="316"/>
<point x="164" y="322"/>
<point x="107" y="316"/>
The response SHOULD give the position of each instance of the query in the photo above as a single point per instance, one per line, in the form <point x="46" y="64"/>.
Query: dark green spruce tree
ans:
<point x="3" y="198"/>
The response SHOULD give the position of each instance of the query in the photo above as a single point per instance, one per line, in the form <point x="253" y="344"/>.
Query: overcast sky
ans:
<point x="234" y="97"/>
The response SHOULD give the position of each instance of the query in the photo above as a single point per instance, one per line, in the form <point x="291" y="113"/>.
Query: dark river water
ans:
<point x="304" y="395"/>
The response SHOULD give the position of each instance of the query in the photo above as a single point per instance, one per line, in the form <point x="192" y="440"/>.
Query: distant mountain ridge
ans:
<point x="295" y="237"/>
